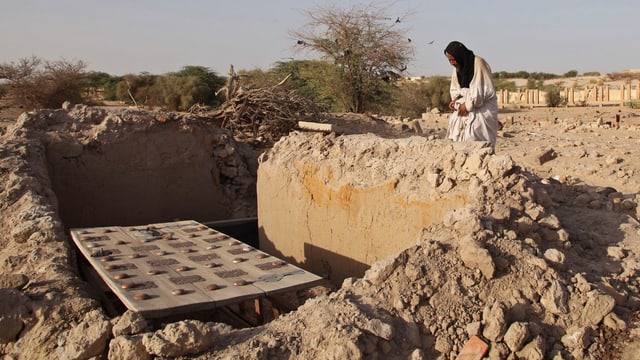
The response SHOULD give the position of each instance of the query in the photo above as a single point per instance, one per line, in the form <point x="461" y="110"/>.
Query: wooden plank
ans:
<point x="322" y="127"/>
<point x="164" y="268"/>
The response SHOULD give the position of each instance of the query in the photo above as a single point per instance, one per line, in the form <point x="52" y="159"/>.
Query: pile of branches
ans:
<point x="262" y="115"/>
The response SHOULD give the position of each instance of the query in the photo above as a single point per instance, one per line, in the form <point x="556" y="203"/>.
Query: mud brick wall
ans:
<point x="335" y="205"/>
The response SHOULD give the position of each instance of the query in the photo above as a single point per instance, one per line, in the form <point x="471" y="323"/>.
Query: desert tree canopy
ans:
<point x="367" y="44"/>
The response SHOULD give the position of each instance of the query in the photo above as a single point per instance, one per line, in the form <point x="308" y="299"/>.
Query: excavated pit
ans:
<point x="121" y="173"/>
<point x="130" y="168"/>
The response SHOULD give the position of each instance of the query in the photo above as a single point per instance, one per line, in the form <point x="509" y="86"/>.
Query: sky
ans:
<point x="159" y="36"/>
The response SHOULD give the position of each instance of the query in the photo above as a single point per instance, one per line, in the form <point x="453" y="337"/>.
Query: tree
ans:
<point x="37" y="83"/>
<point x="139" y="90"/>
<point x="175" y="91"/>
<point x="207" y="83"/>
<point x="96" y="79"/>
<point x="365" y="44"/>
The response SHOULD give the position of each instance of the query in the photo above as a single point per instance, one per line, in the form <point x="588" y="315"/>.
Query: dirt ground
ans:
<point x="563" y="280"/>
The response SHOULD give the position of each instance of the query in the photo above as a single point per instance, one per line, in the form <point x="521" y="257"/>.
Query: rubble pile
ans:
<point x="262" y="115"/>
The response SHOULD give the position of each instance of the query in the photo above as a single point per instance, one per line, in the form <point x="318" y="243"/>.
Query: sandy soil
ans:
<point x="587" y="168"/>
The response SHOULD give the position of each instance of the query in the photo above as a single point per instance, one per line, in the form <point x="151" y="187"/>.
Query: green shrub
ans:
<point x="554" y="98"/>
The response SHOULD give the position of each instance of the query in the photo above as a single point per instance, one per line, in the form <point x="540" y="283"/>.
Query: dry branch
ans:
<point x="263" y="115"/>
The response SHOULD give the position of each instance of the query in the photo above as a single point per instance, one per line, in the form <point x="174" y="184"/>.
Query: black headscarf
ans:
<point x="465" y="59"/>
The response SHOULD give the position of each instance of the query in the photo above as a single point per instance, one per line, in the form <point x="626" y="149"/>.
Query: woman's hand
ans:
<point x="462" y="110"/>
<point x="452" y="105"/>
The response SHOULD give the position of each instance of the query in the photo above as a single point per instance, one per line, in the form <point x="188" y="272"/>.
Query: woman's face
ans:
<point x="451" y="59"/>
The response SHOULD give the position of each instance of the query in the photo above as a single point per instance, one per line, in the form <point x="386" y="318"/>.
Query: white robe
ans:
<point x="481" y="124"/>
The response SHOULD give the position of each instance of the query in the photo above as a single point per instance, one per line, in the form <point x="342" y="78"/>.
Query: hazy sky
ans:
<point x="159" y="36"/>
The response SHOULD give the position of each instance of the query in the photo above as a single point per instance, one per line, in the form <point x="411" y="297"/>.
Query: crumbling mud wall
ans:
<point x="339" y="204"/>
<point x="136" y="168"/>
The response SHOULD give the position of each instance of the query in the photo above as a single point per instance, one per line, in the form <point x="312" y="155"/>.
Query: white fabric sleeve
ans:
<point x="454" y="87"/>
<point x="481" y="86"/>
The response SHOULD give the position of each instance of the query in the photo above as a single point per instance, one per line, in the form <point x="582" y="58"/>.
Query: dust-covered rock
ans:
<point x="130" y="323"/>
<point x="180" y="338"/>
<point x="88" y="339"/>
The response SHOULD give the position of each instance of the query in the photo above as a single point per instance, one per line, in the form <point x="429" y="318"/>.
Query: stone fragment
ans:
<point x="417" y="354"/>
<point x="576" y="338"/>
<point x="380" y="271"/>
<point x="21" y="232"/>
<point x="619" y="296"/>
<point x="582" y="284"/>
<point x="500" y="166"/>
<point x="87" y="339"/>
<point x="500" y="212"/>
<point x="446" y="185"/>
<point x="563" y="236"/>
<point x="516" y="336"/>
<point x="555" y="256"/>
<point x="130" y="323"/>
<point x="534" y="350"/>
<point x="554" y="298"/>
<point x="475" y="256"/>
<point x="495" y="323"/>
<point x="597" y="307"/>
<point x="462" y="220"/>
<point x="613" y="321"/>
<point x="498" y="351"/>
<point x="550" y="222"/>
<point x="473" y="164"/>
<point x="582" y="200"/>
<point x="534" y="211"/>
<point x="473" y="328"/>
<point x="525" y="225"/>
<point x="128" y="348"/>
<point x="443" y="345"/>
<point x="380" y="329"/>
<point x="179" y="339"/>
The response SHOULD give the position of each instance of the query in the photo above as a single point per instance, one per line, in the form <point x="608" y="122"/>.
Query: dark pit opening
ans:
<point x="158" y="176"/>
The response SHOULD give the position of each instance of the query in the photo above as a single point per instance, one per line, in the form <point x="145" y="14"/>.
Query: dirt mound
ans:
<point x="537" y="267"/>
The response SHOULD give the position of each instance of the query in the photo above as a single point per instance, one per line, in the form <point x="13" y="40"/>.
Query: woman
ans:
<point x="474" y="101"/>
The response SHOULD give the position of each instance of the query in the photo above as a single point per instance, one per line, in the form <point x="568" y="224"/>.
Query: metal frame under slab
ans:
<point x="168" y="268"/>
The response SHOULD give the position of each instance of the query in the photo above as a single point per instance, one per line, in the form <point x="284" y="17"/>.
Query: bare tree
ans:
<point x="364" y="42"/>
<point x="33" y="82"/>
